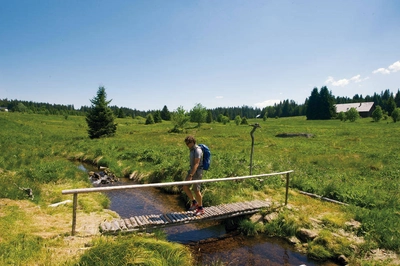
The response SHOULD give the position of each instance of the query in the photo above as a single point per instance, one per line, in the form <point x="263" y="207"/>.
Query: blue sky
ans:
<point x="222" y="53"/>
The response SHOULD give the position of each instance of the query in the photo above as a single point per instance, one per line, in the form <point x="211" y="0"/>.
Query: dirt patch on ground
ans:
<point x="55" y="225"/>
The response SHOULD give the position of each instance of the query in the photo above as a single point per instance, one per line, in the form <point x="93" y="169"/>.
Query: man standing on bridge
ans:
<point x="195" y="173"/>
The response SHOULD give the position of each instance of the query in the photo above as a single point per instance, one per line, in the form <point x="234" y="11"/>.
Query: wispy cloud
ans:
<point x="381" y="70"/>
<point x="344" y="82"/>
<point x="395" y="67"/>
<point x="219" y="97"/>
<point x="391" y="69"/>
<point x="357" y="78"/>
<point x="267" y="103"/>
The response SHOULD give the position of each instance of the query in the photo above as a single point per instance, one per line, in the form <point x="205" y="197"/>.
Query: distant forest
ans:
<point x="285" y="108"/>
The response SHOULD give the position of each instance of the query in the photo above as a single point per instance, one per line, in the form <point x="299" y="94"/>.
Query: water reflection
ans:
<point x="254" y="251"/>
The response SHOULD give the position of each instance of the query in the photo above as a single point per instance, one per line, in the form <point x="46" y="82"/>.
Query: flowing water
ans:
<point x="209" y="241"/>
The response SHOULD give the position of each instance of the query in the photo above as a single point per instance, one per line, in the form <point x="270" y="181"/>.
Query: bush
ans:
<point x="352" y="115"/>
<point x="341" y="116"/>
<point x="396" y="115"/>
<point x="238" y="120"/>
<point x="377" y="114"/>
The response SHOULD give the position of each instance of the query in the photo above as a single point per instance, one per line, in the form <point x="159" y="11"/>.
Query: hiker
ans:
<point x="195" y="173"/>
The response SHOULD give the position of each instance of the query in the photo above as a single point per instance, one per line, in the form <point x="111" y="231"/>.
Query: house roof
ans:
<point x="360" y="107"/>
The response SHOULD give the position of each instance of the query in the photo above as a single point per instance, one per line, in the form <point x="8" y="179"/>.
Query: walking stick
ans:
<point x="255" y="126"/>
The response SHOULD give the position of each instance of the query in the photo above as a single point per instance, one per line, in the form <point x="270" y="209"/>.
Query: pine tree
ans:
<point x="149" y="119"/>
<point x="397" y="98"/>
<point x="320" y="105"/>
<point x="326" y="104"/>
<point x="312" y="105"/>
<point x="157" y="117"/>
<point x="209" y="118"/>
<point x="165" y="114"/>
<point x="390" y="105"/>
<point x="100" y="117"/>
<point x="121" y="113"/>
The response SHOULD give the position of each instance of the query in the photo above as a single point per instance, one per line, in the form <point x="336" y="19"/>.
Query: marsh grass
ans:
<point x="356" y="163"/>
<point x="137" y="250"/>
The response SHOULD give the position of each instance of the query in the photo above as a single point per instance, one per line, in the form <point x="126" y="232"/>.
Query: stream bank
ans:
<point x="209" y="242"/>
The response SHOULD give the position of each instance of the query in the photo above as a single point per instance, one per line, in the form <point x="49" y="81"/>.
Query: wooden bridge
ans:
<point x="147" y="222"/>
<point x="155" y="221"/>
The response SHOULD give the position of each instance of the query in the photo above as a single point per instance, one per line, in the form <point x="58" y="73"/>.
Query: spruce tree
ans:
<point x="157" y="117"/>
<point x="209" y="118"/>
<point x="100" y="117"/>
<point x="390" y="105"/>
<point x="149" y="119"/>
<point x="326" y="104"/>
<point x="320" y="104"/>
<point x="313" y="105"/>
<point x="165" y="114"/>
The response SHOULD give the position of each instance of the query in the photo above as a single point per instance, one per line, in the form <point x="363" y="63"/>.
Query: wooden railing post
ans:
<point x="75" y="203"/>
<point x="287" y="187"/>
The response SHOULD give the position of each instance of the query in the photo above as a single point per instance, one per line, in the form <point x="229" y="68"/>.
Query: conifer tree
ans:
<point x="320" y="105"/>
<point x="121" y="113"/>
<point x="327" y="104"/>
<point x="157" y="117"/>
<point x="165" y="114"/>
<point x="149" y="119"/>
<point x="100" y="117"/>
<point x="312" y="105"/>
<point x="209" y="118"/>
<point x="390" y="105"/>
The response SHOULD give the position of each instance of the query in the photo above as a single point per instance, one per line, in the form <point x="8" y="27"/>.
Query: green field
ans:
<point x="352" y="162"/>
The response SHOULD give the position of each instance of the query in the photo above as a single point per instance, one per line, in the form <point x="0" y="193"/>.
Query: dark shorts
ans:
<point x="197" y="176"/>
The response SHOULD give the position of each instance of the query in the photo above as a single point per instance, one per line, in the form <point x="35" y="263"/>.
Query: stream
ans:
<point x="209" y="241"/>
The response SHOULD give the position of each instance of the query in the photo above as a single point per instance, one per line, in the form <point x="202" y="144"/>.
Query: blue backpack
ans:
<point x="206" y="156"/>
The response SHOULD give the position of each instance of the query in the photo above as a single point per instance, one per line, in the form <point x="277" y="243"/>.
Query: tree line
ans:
<point x="319" y="105"/>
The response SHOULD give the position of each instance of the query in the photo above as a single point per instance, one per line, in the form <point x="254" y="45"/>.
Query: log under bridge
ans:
<point x="153" y="221"/>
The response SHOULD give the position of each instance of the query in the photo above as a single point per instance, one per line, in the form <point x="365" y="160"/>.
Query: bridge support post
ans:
<point x="287" y="188"/>
<point x="75" y="203"/>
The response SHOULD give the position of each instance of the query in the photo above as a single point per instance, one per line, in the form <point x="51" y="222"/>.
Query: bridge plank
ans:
<point x="153" y="221"/>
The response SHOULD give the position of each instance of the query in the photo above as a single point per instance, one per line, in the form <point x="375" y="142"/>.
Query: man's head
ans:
<point x="190" y="139"/>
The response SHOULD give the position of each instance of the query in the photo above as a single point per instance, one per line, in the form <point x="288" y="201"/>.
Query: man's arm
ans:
<point x="195" y="166"/>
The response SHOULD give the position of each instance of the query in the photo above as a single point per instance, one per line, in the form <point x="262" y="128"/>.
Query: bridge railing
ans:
<point x="77" y="191"/>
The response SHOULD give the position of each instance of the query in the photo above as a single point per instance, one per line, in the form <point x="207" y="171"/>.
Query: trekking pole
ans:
<point x="255" y="126"/>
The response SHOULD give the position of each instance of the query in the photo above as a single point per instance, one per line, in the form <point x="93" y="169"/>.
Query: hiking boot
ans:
<point x="199" y="212"/>
<point x="193" y="206"/>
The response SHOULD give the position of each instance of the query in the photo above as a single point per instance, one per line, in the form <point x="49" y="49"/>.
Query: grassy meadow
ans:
<point x="356" y="163"/>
